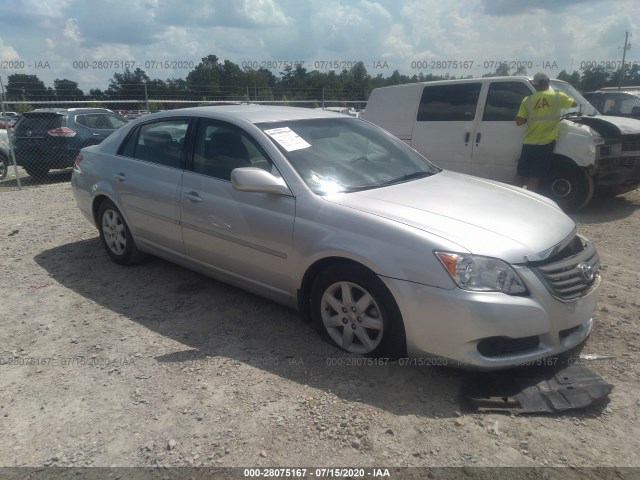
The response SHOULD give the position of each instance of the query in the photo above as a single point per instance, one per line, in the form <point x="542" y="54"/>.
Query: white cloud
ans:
<point x="396" y="31"/>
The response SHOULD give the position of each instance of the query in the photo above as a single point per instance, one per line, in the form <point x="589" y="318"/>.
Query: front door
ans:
<point x="497" y="139"/>
<point x="242" y="234"/>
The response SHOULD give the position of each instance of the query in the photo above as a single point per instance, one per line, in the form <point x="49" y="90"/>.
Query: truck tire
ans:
<point x="569" y="186"/>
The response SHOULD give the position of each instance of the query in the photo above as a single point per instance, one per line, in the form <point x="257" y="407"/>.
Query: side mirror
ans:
<point x="251" y="179"/>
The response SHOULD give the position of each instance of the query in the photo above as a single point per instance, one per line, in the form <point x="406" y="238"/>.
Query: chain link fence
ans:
<point x="44" y="138"/>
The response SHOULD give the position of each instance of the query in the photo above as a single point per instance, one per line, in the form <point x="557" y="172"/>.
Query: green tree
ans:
<point x="204" y="80"/>
<point x="21" y="86"/>
<point x="595" y="78"/>
<point x="128" y="85"/>
<point x="67" y="90"/>
<point x="573" y="79"/>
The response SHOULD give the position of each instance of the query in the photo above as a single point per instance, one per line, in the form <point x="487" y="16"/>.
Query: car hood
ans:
<point x="610" y="126"/>
<point x="482" y="216"/>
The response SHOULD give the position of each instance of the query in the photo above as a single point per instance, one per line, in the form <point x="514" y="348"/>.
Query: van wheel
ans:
<point x="569" y="186"/>
<point x="352" y="309"/>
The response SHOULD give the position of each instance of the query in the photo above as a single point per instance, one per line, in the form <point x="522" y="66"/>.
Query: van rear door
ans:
<point x="445" y="124"/>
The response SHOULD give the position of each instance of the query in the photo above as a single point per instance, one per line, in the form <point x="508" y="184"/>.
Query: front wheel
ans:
<point x="353" y="310"/>
<point x="115" y="235"/>
<point x="569" y="186"/>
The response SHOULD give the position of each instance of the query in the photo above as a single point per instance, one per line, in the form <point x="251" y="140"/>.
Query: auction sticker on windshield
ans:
<point x="287" y="138"/>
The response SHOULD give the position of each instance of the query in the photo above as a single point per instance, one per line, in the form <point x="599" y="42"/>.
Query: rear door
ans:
<point x="445" y="124"/>
<point x="98" y="126"/>
<point x="497" y="138"/>
<point x="148" y="175"/>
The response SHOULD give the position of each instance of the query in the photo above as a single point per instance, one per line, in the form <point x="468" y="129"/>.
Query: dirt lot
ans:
<point x="155" y="365"/>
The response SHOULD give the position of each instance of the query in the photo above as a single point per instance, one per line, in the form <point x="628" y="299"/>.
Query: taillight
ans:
<point x="76" y="162"/>
<point x="62" y="132"/>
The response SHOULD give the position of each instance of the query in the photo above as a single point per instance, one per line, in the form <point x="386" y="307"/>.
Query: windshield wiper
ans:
<point x="406" y="178"/>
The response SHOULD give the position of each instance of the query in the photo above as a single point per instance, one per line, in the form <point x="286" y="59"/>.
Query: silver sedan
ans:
<point x="386" y="253"/>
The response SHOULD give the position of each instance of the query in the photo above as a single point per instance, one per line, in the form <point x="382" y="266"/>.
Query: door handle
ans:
<point x="478" y="136"/>
<point x="121" y="177"/>
<point x="193" y="197"/>
<point x="467" y="136"/>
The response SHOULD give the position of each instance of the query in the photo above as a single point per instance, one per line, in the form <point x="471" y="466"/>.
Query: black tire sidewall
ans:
<point x="581" y="190"/>
<point x="130" y="251"/>
<point x="393" y="343"/>
<point x="37" y="173"/>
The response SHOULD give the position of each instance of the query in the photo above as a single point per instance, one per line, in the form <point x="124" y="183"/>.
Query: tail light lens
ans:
<point x="62" y="132"/>
<point x="76" y="162"/>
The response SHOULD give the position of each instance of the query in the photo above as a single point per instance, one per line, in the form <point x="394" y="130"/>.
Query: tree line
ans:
<point x="215" y="80"/>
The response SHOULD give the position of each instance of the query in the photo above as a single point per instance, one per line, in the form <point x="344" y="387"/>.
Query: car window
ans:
<point x="449" y="103"/>
<point x="158" y="142"/>
<point x="620" y="104"/>
<point x="40" y="122"/>
<point x="503" y="101"/>
<point x="345" y="155"/>
<point x="99" y="121"/>
<point x="220" y="147"/>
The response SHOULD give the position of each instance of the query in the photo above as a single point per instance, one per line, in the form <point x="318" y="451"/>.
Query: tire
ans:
<point x="115" y="235"/>
<point x="343" y="322"/>
<point x="37" y="173"/>
<point x="569" y="186"/>
<point x="4" y="168"/>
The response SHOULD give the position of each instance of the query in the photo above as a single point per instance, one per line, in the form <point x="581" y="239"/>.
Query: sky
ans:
<point x="87" y="41"/>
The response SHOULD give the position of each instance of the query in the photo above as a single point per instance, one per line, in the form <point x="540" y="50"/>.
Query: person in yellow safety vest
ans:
<point x="541" y="112"/>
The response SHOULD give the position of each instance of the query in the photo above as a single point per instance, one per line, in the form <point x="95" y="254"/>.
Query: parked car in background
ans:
<point x="5" y="158"/>
<point x="8" y="121"/>
<point x="620" y="103"/>
<point x="390" y="255"/>
<point x="46" y="139"/>
<point x="469" y="126"/>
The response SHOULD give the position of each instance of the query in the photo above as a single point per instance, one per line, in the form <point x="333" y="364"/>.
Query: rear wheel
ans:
<point x="115" y="235"/>
<point x="353" y="310"/>
<point x="569" y="186"/>
<point x="37" y="173"/>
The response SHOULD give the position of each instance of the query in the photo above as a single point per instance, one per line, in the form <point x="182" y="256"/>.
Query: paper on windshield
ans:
<point x="287" y="138"/>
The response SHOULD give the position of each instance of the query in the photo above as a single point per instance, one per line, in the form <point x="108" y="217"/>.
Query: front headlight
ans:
<point x="481" y="274"/>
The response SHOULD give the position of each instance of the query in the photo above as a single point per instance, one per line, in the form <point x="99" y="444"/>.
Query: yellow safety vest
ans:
<point x="542" y="111"/>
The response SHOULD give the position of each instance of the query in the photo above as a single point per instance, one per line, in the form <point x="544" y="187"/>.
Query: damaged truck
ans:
<point x="468" y="126"/>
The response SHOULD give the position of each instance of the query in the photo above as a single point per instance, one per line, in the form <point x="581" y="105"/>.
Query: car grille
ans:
<point x="570" y="274"/>
<point x="620" y="161"/>
<point x="497" y="346"/>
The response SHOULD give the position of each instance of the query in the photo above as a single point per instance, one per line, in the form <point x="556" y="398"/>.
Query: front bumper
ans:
<point x="450" y="324"/>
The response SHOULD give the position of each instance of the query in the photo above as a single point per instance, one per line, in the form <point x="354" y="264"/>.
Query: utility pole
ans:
<point x="626" y="47"/>
<point x="146" y="96"/>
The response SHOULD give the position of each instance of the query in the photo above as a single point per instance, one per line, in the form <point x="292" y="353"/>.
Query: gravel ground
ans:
<point x="156" y="365"/>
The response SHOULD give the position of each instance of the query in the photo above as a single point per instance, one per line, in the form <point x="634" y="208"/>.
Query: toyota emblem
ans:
<point x="28" y="133"/>
<point x="586" y="271"/>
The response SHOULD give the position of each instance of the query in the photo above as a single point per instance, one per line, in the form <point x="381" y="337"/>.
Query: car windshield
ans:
<point x="583" y="107"/>
<point x="346" y="155"/>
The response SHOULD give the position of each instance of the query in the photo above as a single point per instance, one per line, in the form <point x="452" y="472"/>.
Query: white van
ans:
<point x="469" y="126"/>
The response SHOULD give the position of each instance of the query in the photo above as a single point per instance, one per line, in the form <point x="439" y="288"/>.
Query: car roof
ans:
<point x="250" y="113"/>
